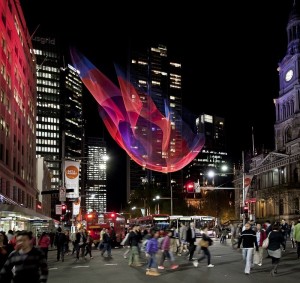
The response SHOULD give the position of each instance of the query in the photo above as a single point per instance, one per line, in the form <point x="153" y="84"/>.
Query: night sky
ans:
<point x="229" y="51"/>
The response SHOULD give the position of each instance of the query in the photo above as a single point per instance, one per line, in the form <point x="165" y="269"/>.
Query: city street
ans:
<point x="229" y="267"/>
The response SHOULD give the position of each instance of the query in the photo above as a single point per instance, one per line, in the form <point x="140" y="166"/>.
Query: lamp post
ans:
<point x="157" y="198"/>
<point x="219" y="184"/>
<point x="171" y="195"/>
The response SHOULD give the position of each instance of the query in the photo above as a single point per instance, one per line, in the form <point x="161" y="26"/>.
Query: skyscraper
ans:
<point x="214" y="152"/>
<point x="48" y="120"/>
<point x="155" y="74"/>
<point x="95" y="190"/>
<point x="59" y="109"/>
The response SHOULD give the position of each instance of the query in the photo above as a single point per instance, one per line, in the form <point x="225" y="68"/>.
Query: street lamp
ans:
<point x="157" y="198"/>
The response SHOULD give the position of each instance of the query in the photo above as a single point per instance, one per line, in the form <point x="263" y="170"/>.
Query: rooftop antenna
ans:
<point x="35" y="31"/>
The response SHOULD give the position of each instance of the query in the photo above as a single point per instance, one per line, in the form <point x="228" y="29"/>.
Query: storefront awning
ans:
<point x="10" y="210"/>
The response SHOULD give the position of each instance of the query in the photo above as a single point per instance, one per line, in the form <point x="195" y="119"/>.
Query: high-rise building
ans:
<point x="18" y="187"/>
<point x="59" y="109"/>
<point x="155" y="74"/>
<point x="213" y="154"/>
<point x="48" y="119"/>
<point x="95" y="189"/>
<point x="71" y="115"/>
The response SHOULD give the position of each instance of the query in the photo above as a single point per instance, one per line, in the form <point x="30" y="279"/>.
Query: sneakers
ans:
<point x="260" y="264"/>
<point x="174" y="266"/>
<point x="210" y="265"/>
<point x="152" y="273"/>
<point x="160" y="267"/>
<point x="196" y="263"/>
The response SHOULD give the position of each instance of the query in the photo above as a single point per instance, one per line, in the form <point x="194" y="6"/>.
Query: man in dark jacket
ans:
<point x="134" y="239"/>
<point x="191" y="239"/>
<point x="29" y="263"/>
<point x="59" y="242"/>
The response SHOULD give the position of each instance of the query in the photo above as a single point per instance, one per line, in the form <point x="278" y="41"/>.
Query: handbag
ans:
<point x="203" y="243"/>
<point x="265" y="242"/>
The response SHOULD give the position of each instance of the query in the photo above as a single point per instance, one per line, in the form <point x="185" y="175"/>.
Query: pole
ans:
<point x="243" y="185"/>
<point x="171" y="199"/>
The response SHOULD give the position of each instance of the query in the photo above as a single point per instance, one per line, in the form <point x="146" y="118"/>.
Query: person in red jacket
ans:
<point x="44" y="243"/>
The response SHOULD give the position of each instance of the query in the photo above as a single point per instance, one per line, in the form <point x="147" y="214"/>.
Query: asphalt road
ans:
<point x="229" y="267"/>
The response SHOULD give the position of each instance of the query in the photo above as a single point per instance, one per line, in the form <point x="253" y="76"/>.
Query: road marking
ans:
<point x="53" y="268"/>
<point x="111" y="264"/>
<point x="78" y="266"/>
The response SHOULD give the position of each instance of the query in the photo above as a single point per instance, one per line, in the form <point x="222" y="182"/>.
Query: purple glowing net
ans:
<point x="137" y="125"/>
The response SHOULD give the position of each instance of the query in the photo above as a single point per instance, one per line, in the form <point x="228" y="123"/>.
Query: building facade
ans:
<point x="18" y="186"/>
<point x="275" y="189"/>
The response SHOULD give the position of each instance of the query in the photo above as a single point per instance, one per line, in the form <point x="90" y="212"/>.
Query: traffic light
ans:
<point x="63" y="209"/>
<point x="112" y="215"/>
<point x="190" y="187"/>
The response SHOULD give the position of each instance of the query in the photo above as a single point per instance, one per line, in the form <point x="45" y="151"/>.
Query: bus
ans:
<point x="157" y="221"/>
<point x="95" y="222"/>
<point x="200" y="221"/>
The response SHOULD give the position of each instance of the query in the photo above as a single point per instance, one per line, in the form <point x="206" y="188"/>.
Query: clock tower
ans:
<point x="287" y="105"/>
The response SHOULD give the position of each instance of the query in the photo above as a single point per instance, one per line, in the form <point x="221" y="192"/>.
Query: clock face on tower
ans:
<point x="288" y="75"/>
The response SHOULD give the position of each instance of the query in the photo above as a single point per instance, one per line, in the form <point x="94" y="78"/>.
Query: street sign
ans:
<point x="58" y="209"/>
<point x="55" y="192"/>
<point x="62" y="194"/>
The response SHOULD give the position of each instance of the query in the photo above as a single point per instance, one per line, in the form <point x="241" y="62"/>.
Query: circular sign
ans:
<point x="72" y="172"/>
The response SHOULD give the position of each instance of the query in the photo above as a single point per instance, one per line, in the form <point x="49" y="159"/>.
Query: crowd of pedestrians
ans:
<point x="159" y="249"/>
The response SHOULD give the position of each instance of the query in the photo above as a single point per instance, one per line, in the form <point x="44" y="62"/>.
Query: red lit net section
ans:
<point x="137" y="125"/>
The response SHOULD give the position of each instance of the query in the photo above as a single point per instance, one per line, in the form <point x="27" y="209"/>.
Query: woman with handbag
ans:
<point x="204" y="243"/>
<point x="276" y="240"/>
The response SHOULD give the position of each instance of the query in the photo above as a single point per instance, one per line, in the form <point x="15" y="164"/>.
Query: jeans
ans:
<point x="247" y="256"/>
<point x="152" y="261"/>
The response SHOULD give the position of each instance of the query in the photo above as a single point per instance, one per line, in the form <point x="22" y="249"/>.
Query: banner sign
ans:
<point x="247" y="184"/>
<point x="72" y="178"/>
<point x="76" y="207"/>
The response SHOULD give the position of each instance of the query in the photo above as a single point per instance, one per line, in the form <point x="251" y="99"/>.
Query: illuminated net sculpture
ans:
<point x="137" y="125"/>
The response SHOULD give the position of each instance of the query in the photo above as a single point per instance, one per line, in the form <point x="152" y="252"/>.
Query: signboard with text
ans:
<point x="58" y="209"/>
<point x="72" y="178"/>
<point x="62" y="194"/>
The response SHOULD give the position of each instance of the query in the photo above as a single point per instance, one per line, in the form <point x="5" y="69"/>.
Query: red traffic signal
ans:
<point x="63" y="209"/>
<point x="112" y="215"/>
<point x="190" y="187"/>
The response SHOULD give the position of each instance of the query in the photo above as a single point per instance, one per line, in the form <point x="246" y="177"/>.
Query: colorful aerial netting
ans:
<point x="150" y="138"/>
